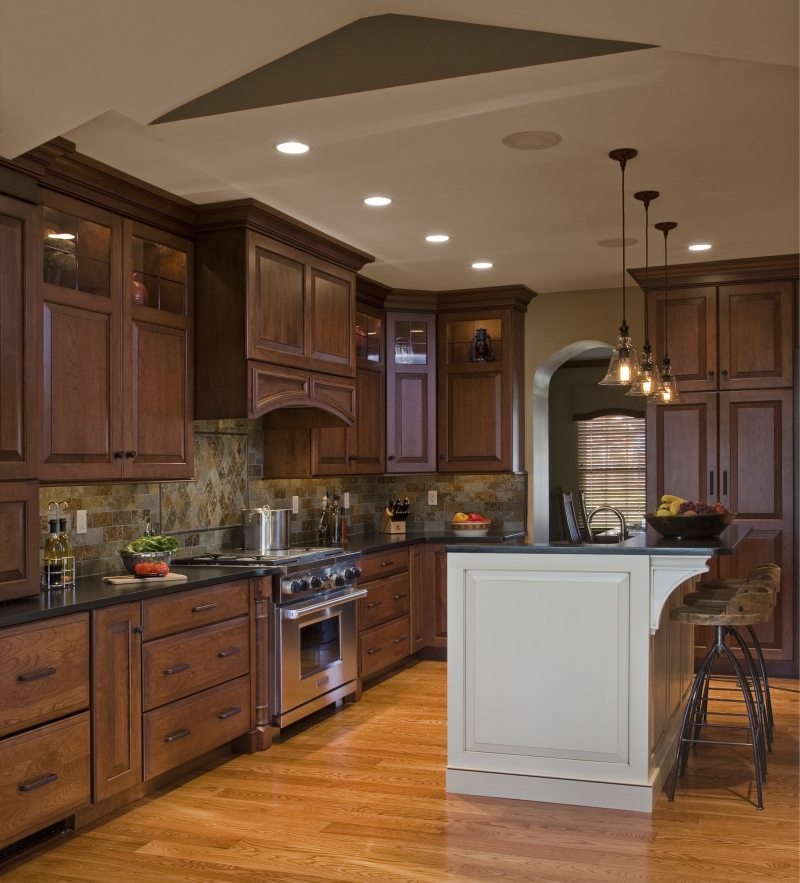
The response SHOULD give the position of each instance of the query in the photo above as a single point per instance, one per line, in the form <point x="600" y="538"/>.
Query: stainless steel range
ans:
<point x="313" y="642"/>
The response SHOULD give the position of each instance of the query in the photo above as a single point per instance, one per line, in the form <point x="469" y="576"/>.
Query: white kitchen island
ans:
<point x="566" y="678"/>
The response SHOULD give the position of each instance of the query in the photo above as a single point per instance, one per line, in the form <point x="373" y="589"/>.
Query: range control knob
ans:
<point x="352" y="573"/>
<point x="338" y="580"/>
<point x="299" y="585"/>
<point x="316" y="582"/>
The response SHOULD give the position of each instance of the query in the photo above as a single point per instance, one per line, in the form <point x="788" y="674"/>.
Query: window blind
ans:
<point x="611" y="466"/>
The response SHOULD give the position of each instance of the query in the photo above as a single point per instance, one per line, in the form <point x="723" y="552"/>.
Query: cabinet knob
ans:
<point x="710" y="373"/>
<point x="441" y="456"/>
<point x="118" y="455"/>
<point x="130" y="454"/>
<point x="139" y="629"/>
<point x="390" y="457"/>
<point x="724" y="373"/>
<point x="352" y="457"/>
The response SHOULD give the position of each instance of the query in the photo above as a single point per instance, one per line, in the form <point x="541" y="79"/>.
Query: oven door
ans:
<point x="317" y="646"/>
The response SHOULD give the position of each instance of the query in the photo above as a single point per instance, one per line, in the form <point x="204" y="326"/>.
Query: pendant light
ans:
<point x="623" y="367"/>
<point x="649" y="381"/>
<point x="669" y="394"/>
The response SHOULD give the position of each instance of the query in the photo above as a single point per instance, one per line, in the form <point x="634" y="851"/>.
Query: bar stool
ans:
<point x="720" y="591"/>
<point x="751" y="605"/>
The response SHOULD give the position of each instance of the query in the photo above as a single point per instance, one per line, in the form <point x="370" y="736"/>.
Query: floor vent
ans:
<point x="16" y="849"/>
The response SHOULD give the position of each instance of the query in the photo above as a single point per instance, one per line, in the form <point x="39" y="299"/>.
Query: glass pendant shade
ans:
<point x="623" y="366"/>
<point x="648" y="380"/>
<point x="668" y="392"/>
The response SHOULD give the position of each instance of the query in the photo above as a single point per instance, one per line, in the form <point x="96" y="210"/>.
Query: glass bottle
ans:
<point x="67" y="552"/>
<point x="335" y="521"/>
<point x="323" y="531"/>
<point x="53" y="576"/>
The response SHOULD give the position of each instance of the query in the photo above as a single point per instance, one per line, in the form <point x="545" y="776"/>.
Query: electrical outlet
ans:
<point x="433" y="498"/>
<point x="295" y="505"/>
<point x="80" y="521"/>
<point x="346" y="500"/>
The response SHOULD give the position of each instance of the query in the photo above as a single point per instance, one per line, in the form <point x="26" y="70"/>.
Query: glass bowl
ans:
<point x="131" y="559"/>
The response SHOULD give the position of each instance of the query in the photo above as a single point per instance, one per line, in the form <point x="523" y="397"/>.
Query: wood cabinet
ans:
<point x="480" y="402"/>
<point x="19" y="248"/>
<point x="19" y="539"/>
<point x="116" y="699"/>
<point x="117" y="348"/>
<point x="411" y="392"/>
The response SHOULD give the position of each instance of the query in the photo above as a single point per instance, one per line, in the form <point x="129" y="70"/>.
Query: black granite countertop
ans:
<point x="648" y="543"/>
<point x="91" y="592"/>
<point x="380" y="542"/>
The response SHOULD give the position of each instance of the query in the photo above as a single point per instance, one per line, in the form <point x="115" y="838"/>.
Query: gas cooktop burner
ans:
<point x="250" y="557"/>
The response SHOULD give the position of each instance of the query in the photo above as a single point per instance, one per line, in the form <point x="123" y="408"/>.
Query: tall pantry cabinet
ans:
<point x="732" y="342"/>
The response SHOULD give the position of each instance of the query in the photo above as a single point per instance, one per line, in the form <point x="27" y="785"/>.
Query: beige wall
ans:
<point x="558" y="326"/>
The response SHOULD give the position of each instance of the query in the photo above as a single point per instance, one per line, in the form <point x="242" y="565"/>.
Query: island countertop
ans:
<point x="648" y="543"/>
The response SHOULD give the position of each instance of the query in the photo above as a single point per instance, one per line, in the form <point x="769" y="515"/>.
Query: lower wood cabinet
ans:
<point x="194" y="608"/>
<point x="19" y="539"/>
<point x="45" y="776"/>
<point x="116" y="699"/>
<point x="384" y="644"/>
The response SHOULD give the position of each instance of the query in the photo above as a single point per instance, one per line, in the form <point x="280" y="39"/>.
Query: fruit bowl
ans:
<point x="471" y="528"/>
<point x="131" y="559"/>
<point x="690" y="527"/>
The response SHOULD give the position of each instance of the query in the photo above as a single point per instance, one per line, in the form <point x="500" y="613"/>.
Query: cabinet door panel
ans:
<point x="330" y="451"/>
<point x="277" y="306"/>
<point x="682" y="450"/>
<point x="116" y="699"/>
<point x="329" y="319"/>
<point x="475" y="419"/>
<point x="370" y="428"/>
<point x="755" y="335"/>
<point x="692" y="335"/>
<point x="159" y="406"/>
<point x="17" y="336"/>
<point x="82" y="424"/>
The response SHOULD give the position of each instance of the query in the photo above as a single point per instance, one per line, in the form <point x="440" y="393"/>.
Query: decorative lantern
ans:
<point x="481" y="348"/>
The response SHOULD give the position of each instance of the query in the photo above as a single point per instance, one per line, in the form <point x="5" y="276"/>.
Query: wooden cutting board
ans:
<point x="170" y="577"/>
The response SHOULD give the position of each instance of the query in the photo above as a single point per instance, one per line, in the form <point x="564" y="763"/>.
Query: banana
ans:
<point x="674" y="506"/>
<point x="671" y="498"/>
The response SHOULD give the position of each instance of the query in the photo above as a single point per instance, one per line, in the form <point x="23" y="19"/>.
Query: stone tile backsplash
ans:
<point x="204" y="514"/>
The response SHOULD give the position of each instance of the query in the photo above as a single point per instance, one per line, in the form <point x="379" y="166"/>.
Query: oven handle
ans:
<point x="294" y="613"/>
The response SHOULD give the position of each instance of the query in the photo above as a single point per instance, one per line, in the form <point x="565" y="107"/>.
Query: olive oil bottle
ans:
<point x="68" y="556"/>
<point x="53" y="575"/>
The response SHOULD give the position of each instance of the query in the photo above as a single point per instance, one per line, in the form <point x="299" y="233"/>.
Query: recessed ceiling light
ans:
<point x="72" y="236"/>
<point x="702" y="247"/>
<point x="481" y="265"/>
<point x="532" y="140"/>
<point x="377" y="200"/>
<point x="617" y="243"/>
<point x="437" y="237"/>
<point x="292" y="147"/>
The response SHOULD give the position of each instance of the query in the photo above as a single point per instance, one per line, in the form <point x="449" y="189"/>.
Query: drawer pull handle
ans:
<point x="398" y="597"/>
<point x="387" y="564"/>
<point x="203" y="607"/>
<point x="232" y="652"/>
<point x="398" y="640"/>
<point x="374" y="650"/>
<point x="44" y="673"/>
<point x="232" y="713"/>
<point x="178" y="668"/>
<point x="34" y="785"/>
<point x="374" y="604"/>
<point x="179" y="735"/>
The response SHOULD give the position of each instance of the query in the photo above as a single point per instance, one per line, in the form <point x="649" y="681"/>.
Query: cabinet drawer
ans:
<point x="387" y="599"/>
<point x="183" y="664"/>
<point x="44" y="776"/>
<point x="188" y="728"/>
<point x="384" y="563"/>
<point x="192" y="609"/>
<point x="384" y="644"/>
<point x="44" y="671"/>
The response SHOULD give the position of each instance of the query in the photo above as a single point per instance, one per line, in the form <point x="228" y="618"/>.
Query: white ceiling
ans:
<point x="713" y="113"/>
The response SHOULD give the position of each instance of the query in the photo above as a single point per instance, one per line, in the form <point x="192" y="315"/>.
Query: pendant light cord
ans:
<point x="646" y="273"/>
<point x="666" y="299"/>
<point x="624" y="320"/>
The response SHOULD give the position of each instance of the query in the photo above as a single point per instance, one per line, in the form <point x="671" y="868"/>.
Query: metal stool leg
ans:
<point x="764" y="678"/>
<point x="761" y="707"/>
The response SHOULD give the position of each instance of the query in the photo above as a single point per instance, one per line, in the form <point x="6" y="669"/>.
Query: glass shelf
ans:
<point x="77" y="253"/>
<point x="159" y="276"/>
<point x="410" y="343"/>
<point x="460" y="334"/>
<point x="369" y="338"/>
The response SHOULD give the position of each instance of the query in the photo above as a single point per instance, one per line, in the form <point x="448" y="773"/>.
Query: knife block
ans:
<point x="389" y="526"/>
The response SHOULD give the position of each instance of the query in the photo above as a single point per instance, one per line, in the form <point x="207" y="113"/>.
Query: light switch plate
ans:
<point x="346" y="500"/>
<point x="433" y="498"/>
<point x="295" y="505"/>
<point x="80" y="521"/>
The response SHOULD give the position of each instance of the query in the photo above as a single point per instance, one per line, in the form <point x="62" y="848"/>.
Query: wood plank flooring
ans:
<point x="358" y="797"/>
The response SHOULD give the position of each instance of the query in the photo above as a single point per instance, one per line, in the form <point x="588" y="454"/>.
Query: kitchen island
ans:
<point x="566" y="676"/>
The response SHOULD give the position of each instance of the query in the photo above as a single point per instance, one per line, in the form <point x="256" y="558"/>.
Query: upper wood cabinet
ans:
<point x="117" y="347"/>
<point x="270" y="292"/>
<point x="411" y="392"/>
<point x="731" y="324"/>
<point x="19" y="248"/>
<point x="480" y="401"/>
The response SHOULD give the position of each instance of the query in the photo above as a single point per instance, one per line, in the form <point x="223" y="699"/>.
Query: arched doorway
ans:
<point x="540" y="476"/>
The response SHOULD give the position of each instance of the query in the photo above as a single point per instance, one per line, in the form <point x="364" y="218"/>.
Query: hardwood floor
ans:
<point x="358" y="797"/>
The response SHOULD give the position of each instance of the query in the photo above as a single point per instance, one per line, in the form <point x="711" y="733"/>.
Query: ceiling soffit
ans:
<point x="385" y="51"/>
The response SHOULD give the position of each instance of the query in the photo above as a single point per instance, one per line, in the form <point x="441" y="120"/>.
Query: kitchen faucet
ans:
<point x="623" y="529"/>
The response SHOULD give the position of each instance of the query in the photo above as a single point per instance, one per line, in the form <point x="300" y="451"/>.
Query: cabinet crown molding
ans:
<point x="757" y="269"/>
<point x="493" y="297"/>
